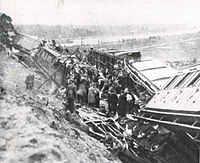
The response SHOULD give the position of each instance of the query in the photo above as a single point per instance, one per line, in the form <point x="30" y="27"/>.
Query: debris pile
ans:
<point x="132" y="139"/>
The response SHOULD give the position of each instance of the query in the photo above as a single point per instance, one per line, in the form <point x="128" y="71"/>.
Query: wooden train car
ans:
<point x="55" y="65"/>
<point x="107" y="59"/>
<point x="25" y="44"/>
<point x="177" y="104"/>
<point x="51" y="63"/>
<point x="152" y="73"/>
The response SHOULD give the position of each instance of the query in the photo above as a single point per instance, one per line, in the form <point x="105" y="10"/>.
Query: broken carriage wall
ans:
<point x="101" y="59"/>
<point x="49" y="61"/>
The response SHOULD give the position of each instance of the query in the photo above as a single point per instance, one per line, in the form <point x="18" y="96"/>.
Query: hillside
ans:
<point x="30" y="131"/>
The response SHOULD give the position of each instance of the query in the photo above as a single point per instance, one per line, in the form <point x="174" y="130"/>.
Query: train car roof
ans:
<point x="126" y="52"/>
<point x="181" y="93"/>
<point x="27" y="42"/>
<point x="117" y="53"/>
<point x="155" y="71"/>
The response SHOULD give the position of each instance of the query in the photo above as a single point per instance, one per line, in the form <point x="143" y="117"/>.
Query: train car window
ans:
<point x="167" y="83"/>
<point x="46" y="55"/>
<point x="47" y="58"/>
<point x="175" y="83"/>
<point x="50" y="58"/>
<point x="197" y="82"/>
<point x="52" y="61"/>
<point x="43" y="54"/>
<point x="184" y="80"/>
<point x="171" y="82"/>
<point x="195" y="78"/>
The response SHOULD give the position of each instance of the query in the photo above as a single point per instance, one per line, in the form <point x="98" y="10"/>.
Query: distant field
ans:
<point x="178" y="51"/>
<point x="184" y="47"/>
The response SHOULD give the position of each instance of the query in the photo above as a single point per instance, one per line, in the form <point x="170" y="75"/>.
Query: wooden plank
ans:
<point x="178" y="126"/>
<point x="171" y="113"/>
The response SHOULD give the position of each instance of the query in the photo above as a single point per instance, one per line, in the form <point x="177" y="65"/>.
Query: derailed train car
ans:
<point x="151" y="73"/>
<point x="108" y="58"/>
<point x="176" y="105"/>
<point x="49" y="61"/>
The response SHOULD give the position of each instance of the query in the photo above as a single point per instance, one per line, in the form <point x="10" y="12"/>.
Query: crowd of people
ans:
<point x="89" y="85"/>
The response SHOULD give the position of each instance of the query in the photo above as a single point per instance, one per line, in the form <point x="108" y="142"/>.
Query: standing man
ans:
<point x="130" y="102"/>
<point x="91" y="96"/>
<point x="31" y="82"/>
<point x="71" y="95"/>
<point x="122" y="105"/>
<point x="112" y="101"/>
<point x="97" y="96"/>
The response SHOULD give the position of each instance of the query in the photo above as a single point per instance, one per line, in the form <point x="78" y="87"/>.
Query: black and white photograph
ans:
<point x="99" y="81"/>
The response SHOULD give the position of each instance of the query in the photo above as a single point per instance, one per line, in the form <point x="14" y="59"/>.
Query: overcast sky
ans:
<point x="105" y="12"/>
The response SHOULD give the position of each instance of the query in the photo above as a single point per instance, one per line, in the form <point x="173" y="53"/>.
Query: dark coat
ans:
<point x="122" y="105"/>
<point x="112" y="101"/>
<point x="71" y="95"/>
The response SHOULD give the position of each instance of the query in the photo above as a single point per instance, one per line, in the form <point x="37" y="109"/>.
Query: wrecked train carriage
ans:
<point x="49" y="61"/>
<point x="107" y="59"/>
<point x="176" y="105"/>
<point x="151" y="73"/>
<point x="25" y="44"/>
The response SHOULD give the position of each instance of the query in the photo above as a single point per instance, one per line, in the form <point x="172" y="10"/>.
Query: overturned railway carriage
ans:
<point x="56" y="66"/>
<point x="177" y="104"/>
<point x="46" y="59"/>
<point x="152" y="74"/>
<point x="49" y="61"/>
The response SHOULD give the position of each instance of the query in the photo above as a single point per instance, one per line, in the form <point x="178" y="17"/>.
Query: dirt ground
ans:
<point x="30" y="131"/>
